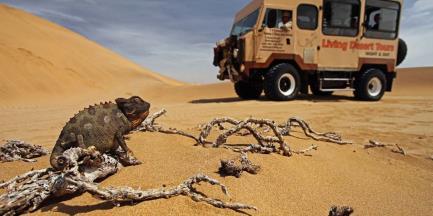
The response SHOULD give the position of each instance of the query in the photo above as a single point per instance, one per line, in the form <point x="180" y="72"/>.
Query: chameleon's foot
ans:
<point x="127" y="159"/>
<point x="92" y="149"/>
<point x="90" y="161"/>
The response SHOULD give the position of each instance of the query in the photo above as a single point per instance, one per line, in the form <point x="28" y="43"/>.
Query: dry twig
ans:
<point x="375" y="144"/>
<point x="331" y="137"/>
<point x="28" y="191"/>
<point x="307" y="150"/>
<point x="150" y="126"/>
<point x="14" y="150"/>
<point x="399" y="150"/>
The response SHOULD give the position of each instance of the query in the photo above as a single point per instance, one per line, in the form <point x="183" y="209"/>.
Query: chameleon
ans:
<point x="102" y="127"/>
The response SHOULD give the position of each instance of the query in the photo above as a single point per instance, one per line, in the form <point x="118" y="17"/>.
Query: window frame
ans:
<point x="241" y="33"/>
<point x="340" y="35"/>
<point x="317" y="17"/>
<point x="265" y="15"/>
<point x="397" y="30"/>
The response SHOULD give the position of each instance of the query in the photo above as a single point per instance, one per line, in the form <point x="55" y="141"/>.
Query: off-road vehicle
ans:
<point x="285" y="46"/>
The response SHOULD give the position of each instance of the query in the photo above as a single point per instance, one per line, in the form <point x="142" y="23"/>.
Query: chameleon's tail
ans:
<point x="57" y="160"/>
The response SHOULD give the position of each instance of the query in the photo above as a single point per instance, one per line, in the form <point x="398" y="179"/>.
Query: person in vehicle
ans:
<point x="377" y="19"/>
<point x="286" y="21"/>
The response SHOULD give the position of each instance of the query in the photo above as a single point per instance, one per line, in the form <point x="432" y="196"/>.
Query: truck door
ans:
<point x="379" y="42"/>
<point x="274" y="37"/>
<point x="307" y="35"/>
<point x="340" y="31"/>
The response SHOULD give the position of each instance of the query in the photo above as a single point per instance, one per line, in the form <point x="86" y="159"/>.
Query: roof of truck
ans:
<point x="254" y="4"/>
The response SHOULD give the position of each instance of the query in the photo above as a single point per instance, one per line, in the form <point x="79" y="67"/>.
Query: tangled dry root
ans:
<point x="27" y="192"/>
<point x="14" y="150"/>
<point x="258" y="128"/>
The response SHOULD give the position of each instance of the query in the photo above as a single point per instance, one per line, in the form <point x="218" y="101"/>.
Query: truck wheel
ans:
<point x="315" y="89"/>
<point x="402" y="51"/>
<point x="282" y="82"/>
<point x="371" y="85"/>
<point x="248" y="90"/>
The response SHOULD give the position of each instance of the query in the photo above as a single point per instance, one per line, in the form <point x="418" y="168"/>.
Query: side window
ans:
<point x="275" y="18"/>
<point x="381" y="19"/>
<point x="341" y="17"/>
<point x="307" y="17"/>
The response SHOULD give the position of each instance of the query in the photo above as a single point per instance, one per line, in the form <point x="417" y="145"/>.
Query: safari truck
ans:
<point x="286" y="47"/>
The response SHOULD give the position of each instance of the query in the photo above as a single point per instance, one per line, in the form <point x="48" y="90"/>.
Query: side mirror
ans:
<point x="262" y="27"/>
<point x="364" y="26"/>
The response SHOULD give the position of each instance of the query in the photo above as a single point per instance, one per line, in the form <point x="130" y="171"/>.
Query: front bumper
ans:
<point x="228" y="56"/>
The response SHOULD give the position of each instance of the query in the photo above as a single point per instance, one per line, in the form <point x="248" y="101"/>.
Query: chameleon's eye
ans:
<point x="137" y="100"/>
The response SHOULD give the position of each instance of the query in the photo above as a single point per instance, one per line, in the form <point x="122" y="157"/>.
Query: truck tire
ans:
<point x="315" y="89"/>
<point x="282" y="82"/>
<point x="402" y="51"/>
<point x="371" y="85"/>
<point x="248" y="90"/>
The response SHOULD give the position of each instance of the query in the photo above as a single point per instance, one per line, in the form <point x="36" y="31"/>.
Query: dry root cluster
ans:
<point x="14" y="150"/>
<point x="28" y="191"/>
<point x="258" y="128"/>
<point x="340" y="211"/>
<point x="235" y="167"/>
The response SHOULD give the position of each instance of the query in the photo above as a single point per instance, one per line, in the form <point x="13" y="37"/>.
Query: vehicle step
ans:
<point x="335" y="79"/>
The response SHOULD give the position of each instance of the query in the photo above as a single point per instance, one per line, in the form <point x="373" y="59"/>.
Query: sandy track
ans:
<point x="374" y="181"/>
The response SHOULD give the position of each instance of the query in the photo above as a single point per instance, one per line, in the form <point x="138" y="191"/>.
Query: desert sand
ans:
<point x="49" y="73"/>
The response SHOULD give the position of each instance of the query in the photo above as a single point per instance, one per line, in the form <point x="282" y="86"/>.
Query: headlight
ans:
<point x="221" y="43"/>
<point x="235" y="53"/>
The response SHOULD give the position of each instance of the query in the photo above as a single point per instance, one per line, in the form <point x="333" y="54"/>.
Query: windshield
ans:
<point x="245" y="25"/>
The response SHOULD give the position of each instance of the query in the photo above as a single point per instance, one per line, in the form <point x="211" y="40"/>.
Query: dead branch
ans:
<point x="375" y="144"/>
<point x="309" y="132"/>
<point x="150" y="125"/>
<point x="399" y="150"/>
<point x="28" y="191"/>
<point x="255" y="149"/>
<point x="340" y="211"/>
<point x="250" y="126"/>
<point x="14" y="150"/>
<point x="236" y="166"/>
<point x="307" y="150"/>
<point x="82" y="167"/>
<point x="122" y="194"/>
<point x="11" y="184"/>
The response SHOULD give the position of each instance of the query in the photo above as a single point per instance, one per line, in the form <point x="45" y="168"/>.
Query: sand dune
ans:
<point x="40" y="59"/>
<point x="47" y="79"/>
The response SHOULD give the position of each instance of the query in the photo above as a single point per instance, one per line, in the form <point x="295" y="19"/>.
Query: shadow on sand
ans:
<point x="57" y="206"/>
<point x="76" y="209"/>
<point x="311" y="98"/>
